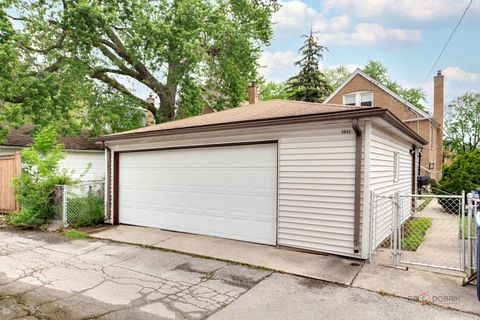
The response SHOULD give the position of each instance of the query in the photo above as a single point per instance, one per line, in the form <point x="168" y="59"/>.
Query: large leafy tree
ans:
<point x="273" y="90"/>
<point x="378" y="71"/>
<point x="462" y="124"/>
<point x="310" y="83"/>
<point x="336" y="76"/>
<point x="190" y="51"/>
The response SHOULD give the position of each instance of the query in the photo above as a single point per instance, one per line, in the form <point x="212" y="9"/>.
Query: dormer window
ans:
<point x="361" y="98"/>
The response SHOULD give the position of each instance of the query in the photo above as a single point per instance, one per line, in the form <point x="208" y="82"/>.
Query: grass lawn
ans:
<point x="75" y="234"/>
<point x="414" y="232"/>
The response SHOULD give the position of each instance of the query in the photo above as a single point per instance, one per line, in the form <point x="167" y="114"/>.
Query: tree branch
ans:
<point x="46" y="50"/>
<point x="121" y="88"/>
<point x="144" y="74"/>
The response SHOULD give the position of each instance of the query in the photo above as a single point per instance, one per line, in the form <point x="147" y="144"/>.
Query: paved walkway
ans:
<point x="48" y="276"/>
<point x="442" y="244"/>
<point x="324" y="267"/>
<point x="407" y="284"/>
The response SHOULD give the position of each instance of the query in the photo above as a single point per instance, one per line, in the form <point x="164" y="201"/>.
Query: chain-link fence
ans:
<point x="429" y="231"/>
<point x="473" y="208"/>
<point x="434" y="234"/>
<point x="82" y="204"/>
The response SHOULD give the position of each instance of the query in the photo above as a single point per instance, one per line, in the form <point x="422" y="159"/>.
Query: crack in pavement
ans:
<point x="47" y="275"/>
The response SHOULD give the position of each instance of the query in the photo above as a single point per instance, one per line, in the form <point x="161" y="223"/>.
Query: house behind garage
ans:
<point x="362" y="90"/>
<point x="81" y="153"/>
<point x="284" y="173"/>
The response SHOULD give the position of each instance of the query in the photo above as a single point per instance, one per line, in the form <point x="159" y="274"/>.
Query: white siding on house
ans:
<point x="383" y="147"/>
<point x="316" y="191"/>
<point x="76" y="161"/>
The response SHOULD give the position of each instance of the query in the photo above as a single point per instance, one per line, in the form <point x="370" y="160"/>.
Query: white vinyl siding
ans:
<point x="383" y="148"/>
<point x="76" y="163"/>
<point x="316" y="177"/>
<point x="316" y="191"/>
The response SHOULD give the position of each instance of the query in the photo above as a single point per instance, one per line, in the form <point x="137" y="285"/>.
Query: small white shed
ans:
<point x="81" y="153"/>
<point x="283" y="173"/>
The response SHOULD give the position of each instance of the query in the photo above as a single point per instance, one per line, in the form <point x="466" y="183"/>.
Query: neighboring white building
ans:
<point x="80" y="153"/>
<point x="282" y="173"/>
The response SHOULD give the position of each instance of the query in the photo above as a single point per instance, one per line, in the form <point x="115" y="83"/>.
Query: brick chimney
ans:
<point x="438" y="103"/>
<point x="253" y="94"/>
<point x="150" y="117"/>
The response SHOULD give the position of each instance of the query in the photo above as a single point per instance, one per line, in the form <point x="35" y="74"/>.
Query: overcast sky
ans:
<point x="406" y="35"/>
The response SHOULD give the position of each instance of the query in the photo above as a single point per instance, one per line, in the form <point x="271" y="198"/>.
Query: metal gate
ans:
<point x="422" y="230"/>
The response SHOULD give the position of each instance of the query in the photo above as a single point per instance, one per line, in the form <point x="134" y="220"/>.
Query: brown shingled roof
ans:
<point x="271" y="112"/>
<point x="263" y="110"/>
<point x="21" y="138"/>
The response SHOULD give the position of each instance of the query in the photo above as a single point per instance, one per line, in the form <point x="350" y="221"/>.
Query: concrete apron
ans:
<point x="430" y="287"/>
<point x="316" y="266"/>
<point x="426" y="286"/>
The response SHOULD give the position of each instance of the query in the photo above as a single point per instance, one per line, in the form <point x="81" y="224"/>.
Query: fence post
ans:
<point x="64" y="206"/>
<point x="462" y="220"/>
<point x="469" y="225"/>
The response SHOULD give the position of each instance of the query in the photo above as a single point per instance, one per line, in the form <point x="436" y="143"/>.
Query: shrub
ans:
<point x="434" y="185"/>
<point x="35" y="186"/>
<point x="87" y="211"/>
<point x="463" y="174"/>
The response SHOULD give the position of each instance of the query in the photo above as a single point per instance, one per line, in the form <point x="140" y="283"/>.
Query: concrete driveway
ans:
<point x="48" y="276"/>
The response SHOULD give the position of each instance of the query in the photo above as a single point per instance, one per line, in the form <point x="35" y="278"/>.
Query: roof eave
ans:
<point x="399" y="124"/>
<point x="336" y="115"/>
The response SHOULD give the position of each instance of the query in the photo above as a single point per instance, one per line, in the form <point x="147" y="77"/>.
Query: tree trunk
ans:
<point x="166" y="111"/>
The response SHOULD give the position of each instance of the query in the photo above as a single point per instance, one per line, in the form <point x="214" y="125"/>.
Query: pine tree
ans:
<point x="310" y="84"/>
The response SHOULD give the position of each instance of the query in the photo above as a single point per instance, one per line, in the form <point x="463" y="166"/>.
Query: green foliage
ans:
<point x="434" y="184"/>
<point x="463" y="174"/>
<point x="40" y="174"/>
<point x="88" y="211"/>
<point x="66" y="52"/>
<point x="336" y="76"/>
<point x="191" y="100"/>
<point x="75" y="234"/>
<point x="310" y="84"/>
<point x="462" y="123"/>
<point x="379" y="72"/>
<point x="415" y="230"/>
<point x="273" y="90"/>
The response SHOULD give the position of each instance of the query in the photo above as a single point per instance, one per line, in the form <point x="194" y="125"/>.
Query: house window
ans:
<point x="350" y="99"/>
<point x="363" y="98"/>
<point x="396" y="167"/>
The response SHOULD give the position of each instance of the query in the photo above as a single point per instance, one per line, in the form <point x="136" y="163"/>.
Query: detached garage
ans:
<point x="283" y="173"/>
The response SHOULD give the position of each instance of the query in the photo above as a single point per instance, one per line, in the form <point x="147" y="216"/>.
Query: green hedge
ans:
<point x="86" y="211"/>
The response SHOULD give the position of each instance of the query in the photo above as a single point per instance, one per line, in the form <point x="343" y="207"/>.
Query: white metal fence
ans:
<point x="82" y="204"/>
<point x="432" y="231"/>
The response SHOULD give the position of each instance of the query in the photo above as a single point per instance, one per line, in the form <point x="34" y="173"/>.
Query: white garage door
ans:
<point x="228" y="192"/>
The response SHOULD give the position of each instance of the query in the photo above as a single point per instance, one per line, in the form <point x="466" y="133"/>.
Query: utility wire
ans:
<point x="446" y="43"/>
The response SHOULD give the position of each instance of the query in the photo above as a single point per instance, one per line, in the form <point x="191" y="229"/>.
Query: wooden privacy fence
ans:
<point x="10" y="167"/>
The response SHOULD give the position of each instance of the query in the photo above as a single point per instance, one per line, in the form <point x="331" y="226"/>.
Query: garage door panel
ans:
<point x="226" y="191"/>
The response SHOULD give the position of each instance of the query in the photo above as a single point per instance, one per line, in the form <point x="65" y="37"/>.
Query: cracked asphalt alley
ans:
<point x="48" y="276"/>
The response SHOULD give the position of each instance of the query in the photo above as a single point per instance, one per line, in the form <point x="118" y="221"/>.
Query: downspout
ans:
<point x="414" y="170"/>
<point x="358" y="185"/>
<point x="108" y="186"/>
